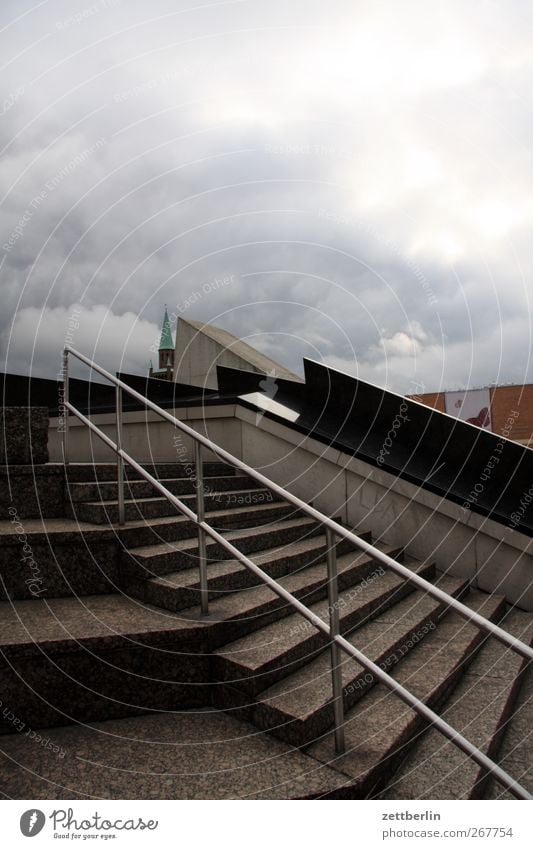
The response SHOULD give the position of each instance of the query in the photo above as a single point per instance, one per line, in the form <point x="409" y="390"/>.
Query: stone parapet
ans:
<point x="32" y="492"/>
<point x="23" y="435"/>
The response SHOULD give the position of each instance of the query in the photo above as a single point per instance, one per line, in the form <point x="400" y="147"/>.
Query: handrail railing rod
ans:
<point x="334" y="630"/>
<point x="66" y="386"/>
<point x="190" y="514"/>
<point x="422" y="709"/>
<point x="419" y="707"/>
<point x="120" y="461"/>
<point x="200" y="508"/>
<point x="492" y="629"/>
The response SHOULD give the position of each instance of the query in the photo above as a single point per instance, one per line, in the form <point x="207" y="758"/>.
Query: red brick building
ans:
<point x="505" y="402"/>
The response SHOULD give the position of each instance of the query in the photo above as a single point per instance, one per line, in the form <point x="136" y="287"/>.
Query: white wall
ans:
<point x="494" y="557"/>
<point x="146" y="437"/>
<point x="197" y="357"/>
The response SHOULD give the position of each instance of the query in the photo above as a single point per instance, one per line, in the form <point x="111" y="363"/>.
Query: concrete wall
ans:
<point x="146" y="437"/>
<point x="495" y="558"/>
<point x="197" y="357"/>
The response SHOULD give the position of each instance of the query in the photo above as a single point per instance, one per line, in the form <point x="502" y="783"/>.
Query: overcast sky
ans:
<point x="348" y="181"/>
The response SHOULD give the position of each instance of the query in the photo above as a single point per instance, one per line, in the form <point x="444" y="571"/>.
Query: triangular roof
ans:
<point x="258" y="361"/>
<point x="166" y="343"/>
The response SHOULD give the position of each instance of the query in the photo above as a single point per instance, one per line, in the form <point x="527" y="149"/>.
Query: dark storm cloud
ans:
<point x="360" y="176"/>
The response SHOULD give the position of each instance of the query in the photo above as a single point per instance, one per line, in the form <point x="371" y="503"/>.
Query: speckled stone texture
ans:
<point x="32" y="491"/>
<point x="193" y="755"/>
<point x="97" y="657"/>
<point x="56" y="558"/>
<point x="23" y="435"/>
<point x="515" y="754"/>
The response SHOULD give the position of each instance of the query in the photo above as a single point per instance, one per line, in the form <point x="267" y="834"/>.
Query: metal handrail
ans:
<point x="483" y="623"/>
<point x="332" y="529"/>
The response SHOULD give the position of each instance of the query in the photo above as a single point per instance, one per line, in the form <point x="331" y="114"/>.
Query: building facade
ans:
<point x="504" y="410"/>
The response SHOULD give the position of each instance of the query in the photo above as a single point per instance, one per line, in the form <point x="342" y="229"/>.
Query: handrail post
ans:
<point x="120" y="461"/>
<point x="200" y="513"/>
<point x="65" y="408"/>
<point x="334" y="627"/>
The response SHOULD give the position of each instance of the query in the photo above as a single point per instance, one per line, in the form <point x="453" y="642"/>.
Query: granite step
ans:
<point x="107" y="490"/>
<point x="140" y="533"/>
<point x="299" y="708"/>
<point x="255" y="662"/>
<point x="479" y="708"/>
<point x="90" y="472"/>
<point x="147" y="658"/>
<point x="173" y="556"/>
<point x="69" y="557"/>
<point x="202" y="754"/>
<point x="380" y="729"/>
<point x="517" y="744"/>
<point x="180" y="590"/>
<point x="235" y="615"/>
<point x="97" y="657"/>
<point x="103" y="512"/>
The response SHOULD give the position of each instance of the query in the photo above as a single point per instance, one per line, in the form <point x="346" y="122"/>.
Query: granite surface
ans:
<point x="99" y="657"/>
<point x="43" y="558"/>
<point x="515" y="753"/>
<point x="32" y="491"/>
<point x="23" y="435"/>
<point x="379" y="727"/>
<point x="193" y="755"/>
<point x="479" y="708"/>
<point x="60" y="624"/>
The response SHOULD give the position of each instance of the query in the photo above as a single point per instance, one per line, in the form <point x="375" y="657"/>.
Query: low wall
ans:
<point x="32" y="492"/>
<point x="146" y="436"/>
<point x="494" y="557"/>
<point x="29" y="487"/>
<point x="23" y="435"/>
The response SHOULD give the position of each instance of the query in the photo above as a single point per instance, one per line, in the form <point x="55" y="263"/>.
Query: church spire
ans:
<point x="166" y="352"/>
<point x="166" y="343"/>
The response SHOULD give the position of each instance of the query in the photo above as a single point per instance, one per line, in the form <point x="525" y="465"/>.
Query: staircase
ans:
<point x="134" y="694"/>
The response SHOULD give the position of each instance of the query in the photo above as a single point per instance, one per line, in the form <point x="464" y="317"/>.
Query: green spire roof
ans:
<point x="166" y="343"/>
